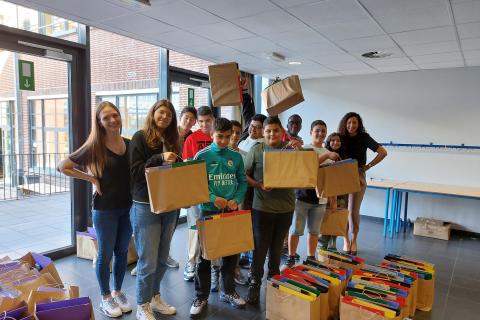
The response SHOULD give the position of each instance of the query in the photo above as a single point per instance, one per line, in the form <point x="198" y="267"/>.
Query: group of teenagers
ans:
<point x="116" y="167"/>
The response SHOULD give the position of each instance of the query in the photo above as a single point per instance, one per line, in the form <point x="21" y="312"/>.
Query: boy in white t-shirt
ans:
<point x="308" y="206"/>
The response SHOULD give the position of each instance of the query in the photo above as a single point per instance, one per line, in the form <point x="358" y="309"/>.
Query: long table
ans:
<point x="401" y="188"/>
<point x="386" y="185"/>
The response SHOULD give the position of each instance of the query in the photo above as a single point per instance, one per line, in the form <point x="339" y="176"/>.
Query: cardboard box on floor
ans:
<point x="432" y="228"/>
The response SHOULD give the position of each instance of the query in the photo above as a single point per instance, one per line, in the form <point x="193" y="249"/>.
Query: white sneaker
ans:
<point x="123" y="303"/>
<point x="144" y="312"/>
<point x="134" y="271"/>
<point x="161" y="306"/>
<point x="197" y="307"/>
<point x="110" y="308"/>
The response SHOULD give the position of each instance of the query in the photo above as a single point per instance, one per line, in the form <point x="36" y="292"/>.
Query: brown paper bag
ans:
<point x="349" y="312"/>
<point x="226" y="234"/>
<point x="45" y="295"/>
<point x="167" y="194"/>
<point x="86" y="246"/>
<point x="284" y="306"/>
<point x="335" y="222"/>
<point x="282" y="95"/>
<point x="46" y="263"/>
<point x="338" y="178"/>
<point x="290" y="168"/>
<point x="26" y="287"/>
<point x="7" y="304"/>
<point x="225" y="85"/>
<point x="341" y="264"/>
<point x="425" y="294"/>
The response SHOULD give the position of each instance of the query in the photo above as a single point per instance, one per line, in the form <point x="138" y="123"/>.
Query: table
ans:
<point x="435" y="189"/>
<point x="388" y="185"/>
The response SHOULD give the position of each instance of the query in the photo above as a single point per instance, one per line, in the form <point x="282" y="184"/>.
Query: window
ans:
<point x="32" y="20"/>
<point x="7" y="120"/>
<point x="48" y="130"/>
<point x="133" y="109"/>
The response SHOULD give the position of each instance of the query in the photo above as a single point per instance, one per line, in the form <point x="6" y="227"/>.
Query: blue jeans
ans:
<point x="307" y="212"/>
<point x="113" y="236"/>
<point x="153" y="234"/>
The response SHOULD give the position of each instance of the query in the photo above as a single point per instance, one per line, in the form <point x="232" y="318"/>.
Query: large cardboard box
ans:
<point x="432" y="228"/>
<point x="282" y="95"/>
<point x="225" y="84"/>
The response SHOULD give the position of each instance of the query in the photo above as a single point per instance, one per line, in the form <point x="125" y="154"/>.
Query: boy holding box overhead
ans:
<point x="227" y="184"/>
<point x="272" y="209"/>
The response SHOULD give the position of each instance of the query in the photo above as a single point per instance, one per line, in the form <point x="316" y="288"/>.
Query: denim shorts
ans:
<point x="307" y="212"/>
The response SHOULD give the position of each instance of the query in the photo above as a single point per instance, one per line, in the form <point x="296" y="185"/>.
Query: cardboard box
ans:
<point x="432" y="228"/>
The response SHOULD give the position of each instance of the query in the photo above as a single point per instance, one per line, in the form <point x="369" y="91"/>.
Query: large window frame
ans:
<point x="77" y="55"/>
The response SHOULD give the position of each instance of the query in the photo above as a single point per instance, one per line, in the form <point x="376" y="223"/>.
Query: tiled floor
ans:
<point x="457" y="287"/>
<point x="39" y="224"/>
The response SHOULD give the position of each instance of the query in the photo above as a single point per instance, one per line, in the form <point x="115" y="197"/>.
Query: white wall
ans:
<point x="427" y="106"/>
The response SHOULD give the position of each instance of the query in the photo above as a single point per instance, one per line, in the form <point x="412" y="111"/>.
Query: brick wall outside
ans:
<point x="118" y="64"/>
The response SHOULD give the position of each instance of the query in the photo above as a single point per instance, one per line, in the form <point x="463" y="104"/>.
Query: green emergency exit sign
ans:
<point x="191" y="97"/>
<point x="26" y="76"/>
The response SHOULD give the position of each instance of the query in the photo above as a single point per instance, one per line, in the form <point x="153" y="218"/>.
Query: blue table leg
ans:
<point x="385" y="219"/>
<point x="392" y="212"/>
<point x="405" y="213"/>
<point x="399" y="209"/>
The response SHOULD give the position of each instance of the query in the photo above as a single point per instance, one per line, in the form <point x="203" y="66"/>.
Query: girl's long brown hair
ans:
<point x="153" y="137"/>
<point x="94" y="148"/>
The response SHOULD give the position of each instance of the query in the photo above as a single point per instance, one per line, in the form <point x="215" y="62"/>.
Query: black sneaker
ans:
<point x="233" y="299"/>
<point x="253" y="295"/>
<point x="290" y="263"/>
<point x="197" y="307"/>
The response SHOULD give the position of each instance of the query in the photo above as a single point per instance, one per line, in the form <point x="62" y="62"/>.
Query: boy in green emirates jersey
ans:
<point x="227" y="185"/>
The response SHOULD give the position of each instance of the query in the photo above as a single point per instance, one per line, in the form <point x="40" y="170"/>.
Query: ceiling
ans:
<point x="327" y="37"/>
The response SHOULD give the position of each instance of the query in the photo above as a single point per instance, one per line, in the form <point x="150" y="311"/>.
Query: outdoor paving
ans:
<point x="39" y="224"/>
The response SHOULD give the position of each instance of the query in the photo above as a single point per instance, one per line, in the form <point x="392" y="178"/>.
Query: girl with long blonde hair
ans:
<point x="103" y="161"/>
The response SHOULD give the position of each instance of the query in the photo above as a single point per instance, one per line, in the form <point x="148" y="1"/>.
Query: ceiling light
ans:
<point x="277" y="57"/>
<point x="377" y="54"/>
<point x="137" y="3"/>
<point x="294" y="63"/>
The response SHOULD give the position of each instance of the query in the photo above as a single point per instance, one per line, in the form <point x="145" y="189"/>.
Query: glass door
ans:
<point x="35" y="112"/>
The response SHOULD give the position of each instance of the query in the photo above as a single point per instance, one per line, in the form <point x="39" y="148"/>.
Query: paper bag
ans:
<point x="32" y="283"/>
<point x="86" y="248"/>
<point x="49" y="294"/>
<point x="44" y="263"/>
<point x="282" y="95"/>
<point x="349" y="312"/>
<point x="425" y="294"/>
<point x="73" y="309"/>
<point x="338" y="178"/>
<point x="290" y="168"/>
<point x="284" y="306"/>
<point x="167" y="194"/>
<point x="225" y="234"/>
<point x="225" y="85"/>
<point x="335" y="222"/>
<point x="10" y="303"/>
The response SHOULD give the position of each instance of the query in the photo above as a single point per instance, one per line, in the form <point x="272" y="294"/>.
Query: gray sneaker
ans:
<point x="172" y="263"/>
<point x="123" y="302"/>
<point x="110" y="308"/>
<point x="189" y="272"/>
<point x="233" y="299"/>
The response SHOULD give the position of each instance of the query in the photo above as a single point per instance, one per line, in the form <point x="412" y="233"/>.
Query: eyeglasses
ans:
<point x="256" y="127"/>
